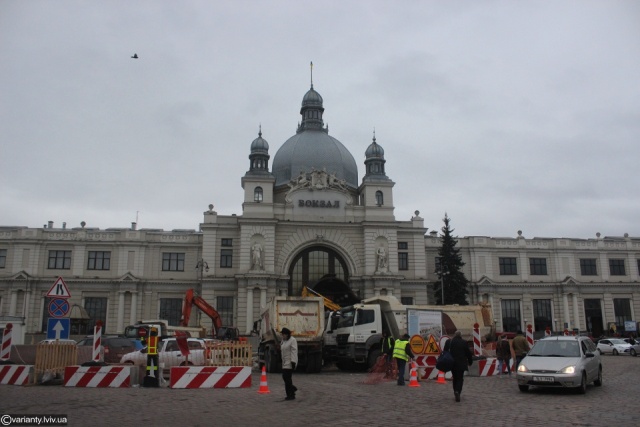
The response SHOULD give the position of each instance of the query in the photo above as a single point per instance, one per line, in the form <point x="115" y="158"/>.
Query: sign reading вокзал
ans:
<point x="33" y="420"/>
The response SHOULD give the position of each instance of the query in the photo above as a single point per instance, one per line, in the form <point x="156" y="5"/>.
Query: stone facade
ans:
<point x="316" y="230"/>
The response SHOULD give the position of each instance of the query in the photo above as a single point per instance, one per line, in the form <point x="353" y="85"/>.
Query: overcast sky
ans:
<point x="506" y="115"/>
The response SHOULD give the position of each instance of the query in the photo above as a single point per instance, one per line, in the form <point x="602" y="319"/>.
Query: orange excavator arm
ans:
<point x="190" y="300"/>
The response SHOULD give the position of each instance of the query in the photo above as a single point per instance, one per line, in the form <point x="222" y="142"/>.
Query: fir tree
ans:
<point x="449" y="269"/>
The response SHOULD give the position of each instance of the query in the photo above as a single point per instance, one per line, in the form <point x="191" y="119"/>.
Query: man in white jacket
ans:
<point x="289" y="353"/>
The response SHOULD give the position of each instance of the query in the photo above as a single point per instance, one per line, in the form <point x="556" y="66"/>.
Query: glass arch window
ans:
<point x="257" y="194"/>
<point x="379" y="198"/>
<point x="311" y="265"/>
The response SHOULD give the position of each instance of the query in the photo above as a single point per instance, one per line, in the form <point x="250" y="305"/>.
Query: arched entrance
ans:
<point x="323" y="270"/>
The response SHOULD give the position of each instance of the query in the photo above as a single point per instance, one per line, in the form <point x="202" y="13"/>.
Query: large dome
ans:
<point x="312" y="148"/>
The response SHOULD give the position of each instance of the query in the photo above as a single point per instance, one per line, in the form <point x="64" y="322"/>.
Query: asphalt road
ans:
<point x="334" y="398"/>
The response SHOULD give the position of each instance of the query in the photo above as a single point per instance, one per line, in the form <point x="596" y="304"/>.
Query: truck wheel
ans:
<point x="373" y="358"/>
<point x="317" y="363"/>
<point x="271" y="360"/>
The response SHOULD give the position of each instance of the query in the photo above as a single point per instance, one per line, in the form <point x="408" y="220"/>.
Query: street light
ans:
<point x="443" y="272"/>
<point x="201" y="266"/>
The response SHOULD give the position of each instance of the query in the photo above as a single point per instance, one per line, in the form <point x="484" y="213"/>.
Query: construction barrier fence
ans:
<point x="53" y="358"/>
<point x="228" y="353"/>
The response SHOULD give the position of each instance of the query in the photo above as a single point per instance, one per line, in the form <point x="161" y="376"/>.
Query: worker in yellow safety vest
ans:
<point x="152" y="352"/>
<point x="402" y="353"/>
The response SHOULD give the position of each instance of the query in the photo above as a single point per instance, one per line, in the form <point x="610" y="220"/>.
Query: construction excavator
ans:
<point x="330" y="305"/>
<point x="218" y="331"/>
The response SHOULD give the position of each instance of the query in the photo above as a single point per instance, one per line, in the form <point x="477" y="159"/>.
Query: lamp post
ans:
<point x="443" y="272"/>
<point x="201" y="266"/>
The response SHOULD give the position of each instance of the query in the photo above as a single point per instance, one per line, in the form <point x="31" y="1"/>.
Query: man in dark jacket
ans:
<point x="459" y="349"/>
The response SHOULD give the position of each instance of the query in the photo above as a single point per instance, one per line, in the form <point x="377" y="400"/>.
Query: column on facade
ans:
<point x="120" y="319"/>
<point x="133" y="316"/>
<point x="13" y="304"/>
<point x="146" y="305"/>
<point x="576" y="314"/>
<point x="494" y="311"/>
<point x="263" y="298"/>
<point x="27" y="305"/>
<point x="249" y="321"/>
<point x="565" y="308"/>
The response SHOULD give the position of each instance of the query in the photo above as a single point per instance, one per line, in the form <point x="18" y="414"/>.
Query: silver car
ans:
<point x="562" y="361"/>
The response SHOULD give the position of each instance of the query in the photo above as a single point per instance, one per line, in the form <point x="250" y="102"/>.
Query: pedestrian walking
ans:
<point x="289" y="353"/>
<point x="463" y="358"/>
<point x="402" y="353"/>
<point x="503" y="354"/>
<point x="520" y="347"/>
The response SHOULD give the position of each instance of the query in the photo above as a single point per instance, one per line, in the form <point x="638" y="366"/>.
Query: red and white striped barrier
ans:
<point x="477" y="345"/>
<point x="488" y="367"/>
<point x="210" y="377"/>
<point x="97" y="376"/>
<point x="97" y="341"/>
<point x="530" y="335"/>
<point x="424" y="361"/>
<point x="15" y="374"/>
<point x="5" y="353"/>
<point x="547" y="332"/>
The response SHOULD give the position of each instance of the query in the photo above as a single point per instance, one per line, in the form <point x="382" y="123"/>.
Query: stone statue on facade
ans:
<point x="317" y="180"/>
<point x="256" y="257"/>
<point x="381" y="260"/>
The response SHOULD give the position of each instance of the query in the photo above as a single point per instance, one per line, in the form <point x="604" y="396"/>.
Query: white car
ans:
<point x="169" y="354"/>
<point x="50" y="341"/>
<point x="614" y="346"/>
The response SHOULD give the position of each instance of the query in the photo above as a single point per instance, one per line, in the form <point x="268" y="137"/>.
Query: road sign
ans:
<point x="59" y="289"/>
<point x="432" y="346"/>
<point x="58" y="329"/>
<point x="59" y="307"/>
<point x="417" y="344"/>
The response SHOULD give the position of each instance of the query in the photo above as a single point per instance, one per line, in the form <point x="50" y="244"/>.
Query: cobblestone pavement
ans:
<point x="339" y="399"/>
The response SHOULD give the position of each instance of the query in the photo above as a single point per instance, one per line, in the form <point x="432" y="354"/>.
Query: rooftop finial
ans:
<point x="311" y="74"/>
<point x="374" y="134"/>
<point x="260" y="131"/>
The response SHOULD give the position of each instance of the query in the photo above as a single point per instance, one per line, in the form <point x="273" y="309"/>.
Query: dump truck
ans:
<point x="353" y="334"/>
<point x="304" y="317"/>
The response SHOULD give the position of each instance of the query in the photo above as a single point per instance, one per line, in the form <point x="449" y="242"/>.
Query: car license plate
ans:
<point x="543" y="379"/>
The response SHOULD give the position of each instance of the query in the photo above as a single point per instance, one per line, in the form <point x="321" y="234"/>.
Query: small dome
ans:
<point x="312" y="99"/>
<point x="374" y="150"/>
<point x="260" y="145"/>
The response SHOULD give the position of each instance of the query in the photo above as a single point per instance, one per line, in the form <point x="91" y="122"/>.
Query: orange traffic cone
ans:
<point x="441" y="379"/>
<point x="264" y="388"/>
<point x="414" y="376"/>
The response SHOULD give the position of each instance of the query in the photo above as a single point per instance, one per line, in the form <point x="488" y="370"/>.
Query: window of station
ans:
<point x="172" y="261"/>
<point x="538" y="266"/>
<point x="508" y="266"/>
<point x="99" y="260"/>
<point x="311" y="265"/>
<point x="588" y="267"/>
<point x="59" y="260"/>
<point x="616" y="267"/>
<point x="171" y="310"/>
<point x="257" y="195"/>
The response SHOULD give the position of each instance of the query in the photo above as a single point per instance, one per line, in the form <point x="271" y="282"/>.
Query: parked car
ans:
<point x="635" y="346"/>
<point x="50" y="341"/>
<point x="561" y="361"/>
<point x="614" y="346"/>
<point x="113" y="347"/>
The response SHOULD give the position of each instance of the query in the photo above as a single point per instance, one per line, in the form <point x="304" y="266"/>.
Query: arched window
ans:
<point x="257" y="194"/>
<point x="311" y="265"/>
<point x="379" y="198"/>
